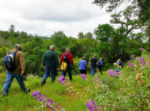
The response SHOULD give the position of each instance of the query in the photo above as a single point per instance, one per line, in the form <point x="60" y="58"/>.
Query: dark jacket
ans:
<point x="50" y="60"/>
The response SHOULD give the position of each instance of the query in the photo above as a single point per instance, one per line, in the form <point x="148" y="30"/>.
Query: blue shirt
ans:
<point x="82" y="64"/>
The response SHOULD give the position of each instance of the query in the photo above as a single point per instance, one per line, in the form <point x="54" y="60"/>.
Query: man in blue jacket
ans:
<point x="82" y="65"/>
<point x="99" y="66"/>
<point x="51" y="64"/>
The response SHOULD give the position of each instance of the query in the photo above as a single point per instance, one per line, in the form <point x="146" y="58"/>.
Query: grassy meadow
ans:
<point x="19" y="101"/>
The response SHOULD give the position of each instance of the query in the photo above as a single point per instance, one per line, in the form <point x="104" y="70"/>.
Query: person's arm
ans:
<point x="61" y="58"/>
<point x="85" y="63"/>
<point x="96" y="62"/>
<point x="56" y="61"/>
<point x="101" y="63"/>
<point x="22" y="63"/>
<point x="71" y="59"/>
<point x="79" y="63"/>
<point x="44" y="61"/>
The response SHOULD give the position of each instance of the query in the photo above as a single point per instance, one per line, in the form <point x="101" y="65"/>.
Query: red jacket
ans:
<point x="70" y="58"/>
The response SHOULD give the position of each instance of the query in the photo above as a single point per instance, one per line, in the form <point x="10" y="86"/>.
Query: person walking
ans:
<point x="51" y="64"/>
<point x="100" y="65"/>
<point x="120" y="63"/>
<point x="15" y="64"/>
<point x="82" y="65"/>
<point x="93" y="63"/>
<point x="67" y="58"/>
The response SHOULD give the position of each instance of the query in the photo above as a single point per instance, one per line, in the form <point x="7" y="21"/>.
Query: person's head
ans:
<point x="100" y="59"/>
<point x="52" y="47"/>
<point x="68" y="49"/>
<point x="119" y="60"/>
<point x="83" y="57"/>
<point x="95" y="55"/>
<point x="17" y="46"/>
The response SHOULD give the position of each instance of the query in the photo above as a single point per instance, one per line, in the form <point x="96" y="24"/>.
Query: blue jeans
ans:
<point x="93" y="71"/>
<point x="69" y="71"/>
<point x="9" y="79"/>
<point x="47" y="73"/>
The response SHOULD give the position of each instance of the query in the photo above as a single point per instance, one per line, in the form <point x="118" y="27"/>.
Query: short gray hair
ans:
<point x="119" y="60"/>
<point x="18" y="46"/>
<point x="52" y="47"/>
<point x="68" y="49"/>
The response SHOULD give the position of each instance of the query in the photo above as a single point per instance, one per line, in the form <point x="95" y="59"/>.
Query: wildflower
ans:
<point x="129" y="64"/>
<point x="47" y="102"/>
<point x="96" y="79"/>
<point x="141" y="49"/>
<point x="83" y="76"/>
<point x="142" y="62"/>
<point x="58" y="107"/>
<point x="92" y="106"/>
<point x="132" y="56"/>
<point x="99" y="107"/>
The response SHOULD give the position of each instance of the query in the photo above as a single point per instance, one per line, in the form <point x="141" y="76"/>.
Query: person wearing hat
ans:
<point x="82" y="65"/>
<point x="68" y="58"/>
<point x="17" y="72"/>
<point x="51" y="64"/>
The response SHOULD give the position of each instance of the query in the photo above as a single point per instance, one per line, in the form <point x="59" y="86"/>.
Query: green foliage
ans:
<point x="75" y="71"/>
<point x="33" y="52"/>
<point x="61" y="41"/>
<point x="131" y="88"/>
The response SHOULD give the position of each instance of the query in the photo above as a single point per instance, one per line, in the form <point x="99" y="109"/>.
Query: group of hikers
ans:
<point x="15" y="64"/>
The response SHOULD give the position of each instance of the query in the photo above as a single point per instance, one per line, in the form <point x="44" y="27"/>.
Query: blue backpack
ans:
<point x="9" y="61"/>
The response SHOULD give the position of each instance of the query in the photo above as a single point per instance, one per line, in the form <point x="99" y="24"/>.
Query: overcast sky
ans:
<point x="43" y="17"/>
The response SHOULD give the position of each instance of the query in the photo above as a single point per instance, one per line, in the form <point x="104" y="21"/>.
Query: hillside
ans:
<point x="128" y="90"/>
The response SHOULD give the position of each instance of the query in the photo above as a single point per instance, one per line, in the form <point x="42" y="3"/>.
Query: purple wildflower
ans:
<point x="129" y="64"/>
<point x="96" y="79"/>
<point x="132" y="56"/>
<point x="92" y="106"/>
<point x="47" y="102"/>
<point x="83" y="76"/>
<point x="141" y="49"/>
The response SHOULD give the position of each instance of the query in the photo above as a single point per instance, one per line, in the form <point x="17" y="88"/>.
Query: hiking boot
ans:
<point x="27" y="90"/>
<point x="42" y="84"/>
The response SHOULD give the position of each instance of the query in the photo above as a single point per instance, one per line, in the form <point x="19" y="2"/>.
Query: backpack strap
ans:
<point x="15" y="52"/>
<point x="8" y="52"/>
<point x="67" y="54"/>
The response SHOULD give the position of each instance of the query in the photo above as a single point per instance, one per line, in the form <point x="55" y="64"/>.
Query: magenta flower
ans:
<point x="46" y="101"/>
<point x="83" y="76"/>
<point x="96" y="79"/>
<point x="141" y="49"/>
<point x="92" y="106"/>
<point x="132" y="56"/>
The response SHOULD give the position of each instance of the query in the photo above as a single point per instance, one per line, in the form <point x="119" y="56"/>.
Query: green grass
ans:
<point x="19" y="101"/>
